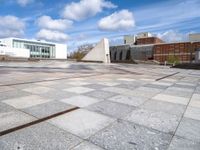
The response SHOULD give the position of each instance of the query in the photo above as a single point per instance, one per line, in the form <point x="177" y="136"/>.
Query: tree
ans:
<point x="81" y="51"/>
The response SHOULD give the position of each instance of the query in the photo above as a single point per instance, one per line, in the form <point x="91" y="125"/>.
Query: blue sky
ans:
<point x="77" y="22"/>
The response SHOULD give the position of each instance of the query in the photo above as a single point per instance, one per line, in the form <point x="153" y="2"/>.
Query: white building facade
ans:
<point x="33" y="49"/>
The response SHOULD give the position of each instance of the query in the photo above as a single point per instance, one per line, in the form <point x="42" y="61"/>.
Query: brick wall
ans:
<point x="184" y="51"/>
<point x="149" y="40"/>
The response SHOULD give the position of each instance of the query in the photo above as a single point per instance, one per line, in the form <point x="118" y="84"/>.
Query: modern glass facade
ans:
<point x="37" y="49"/>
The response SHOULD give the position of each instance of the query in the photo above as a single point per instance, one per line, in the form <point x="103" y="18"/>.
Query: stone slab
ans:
<point x="157" y="120"/>
<point x="13" y="119"/>
<point x="5" y="108"/>
<point x="13" y="94"/>
<point x="38" y="90"/>
<point x="189" y="129"/>
<point x="193" y="113"/>
<point x="82" y="122"/>
<point x="183" y="144"/>
<point x="99" y="94"/>
<point x="47" y="109"/>
<point x="162" y="106"/>
<point x="78" y="83"/>
<point x="41" y="137"/>
<point x="87" y="146"/>
<point x="79" y="90"/>
<point x="123" y="135"/>
<point x="171" y="99"/>
<point x="116" y="110"/>
<point x="96" y="86"/>
<point x="109" y="83"/>
<point x="129" y="100"/>
<point x="80" y="100"/>
<point x="27" y="101"/>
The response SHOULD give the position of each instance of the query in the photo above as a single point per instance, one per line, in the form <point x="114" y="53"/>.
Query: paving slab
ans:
<point x="96" y="86"/>
<point x="129" y="100"/>
<point x="47" y="109"/>
<point x="126" y="79"/>
<point x="27" y="101"/>
<point x="179" y="143"/>
<point x="172" y="92"/>
<point x="185" y="86"/>
<point x="100" y="94"/>
<point x="193" y="113"/>
<point x="145" y="92"/>
<point x="6" y="88"/>
<point x="171" y="99"/>
<point x="165" y="83"/>
<point x="195" y="101"/>
<point x="5" y="108"/>
<point x="166" y="107"/>
<point x="78" y="83"/>
<point x="13" y="119"/>
<point x="82" y="122"/>
<point x="13" y="94"/>
<point x="180" y="89"/>
<point x="80" y="100"/>
<point x="156" y="86"/>
<point x="47" y="83"/>
<point x="189" y="129"/>
<point x="157" y="120"/>
<point x="123" y="135"/>
<point x="112" y="109"/>
<point x="127" y="86"/>
<point x="87" y="146"/>
<point x="117" y="90"/>
<point x="79" y="90"/>
<point x="41" y="137"/>
<point x="109" y="83"/>
<point x="38" y="90"/>
<point x="57" y="94"/>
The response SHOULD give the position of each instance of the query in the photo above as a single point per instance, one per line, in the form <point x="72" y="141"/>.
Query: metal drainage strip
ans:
<point x="36" y="121"/>
<point x="166" y="76"/>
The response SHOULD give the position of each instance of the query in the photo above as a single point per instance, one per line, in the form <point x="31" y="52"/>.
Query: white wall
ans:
<point x="194" y="37"/>
<point x="99" y="53"/>
<point x="7" y="42"/>
<point x="61" y="51"/>
<point x="15" y="52"/>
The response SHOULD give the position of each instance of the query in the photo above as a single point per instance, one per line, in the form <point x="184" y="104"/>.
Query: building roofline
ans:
<point x="32" y="40"/>
<point x="176" y="42"/>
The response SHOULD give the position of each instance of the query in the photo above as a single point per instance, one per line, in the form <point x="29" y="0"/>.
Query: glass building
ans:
<point x="37" y="49"/>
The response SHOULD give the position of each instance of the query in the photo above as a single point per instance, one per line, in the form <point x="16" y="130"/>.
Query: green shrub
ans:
<point x="172" y="59"/>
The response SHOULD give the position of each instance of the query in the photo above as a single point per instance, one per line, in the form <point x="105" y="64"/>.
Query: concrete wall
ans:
<point x="61" y="51"/>
<point x="15" y="52"/>
<point x="197" y="56"/>
<point x="99" y="53"/>
<point x="131" y="53"/>
<point x="129" y="39"/>
<point x="194" y="37"/>
<point x="7" y="42"/>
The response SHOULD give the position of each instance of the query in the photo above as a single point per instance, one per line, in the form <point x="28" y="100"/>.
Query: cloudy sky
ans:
<point x="77" y="22"/>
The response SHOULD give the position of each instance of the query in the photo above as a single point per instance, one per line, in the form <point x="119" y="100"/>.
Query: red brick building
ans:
<point x="183" y="51"/>
<point x="148" y="40"/>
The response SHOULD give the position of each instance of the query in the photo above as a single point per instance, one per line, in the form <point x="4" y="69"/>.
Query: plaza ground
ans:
<point x="51" y="105"/>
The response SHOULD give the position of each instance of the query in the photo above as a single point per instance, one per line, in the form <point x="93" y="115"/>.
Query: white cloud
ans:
<point x="50" y="35"/>
<point x="47" y="22"/>
<point x="11" y="26"/>
<point x="85" y="9"/>
<point x="173" y="36"/>
<point x="122" y="20"/>
<point x="24" y="2"/>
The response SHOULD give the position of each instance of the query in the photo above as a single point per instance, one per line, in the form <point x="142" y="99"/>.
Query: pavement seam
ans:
<point x="36" y="121"/>
<point x="182" y="116"/>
